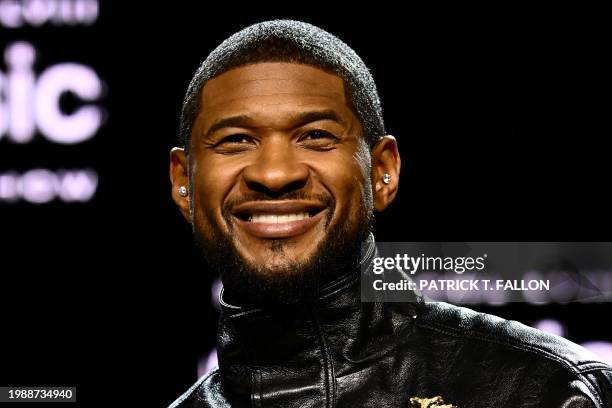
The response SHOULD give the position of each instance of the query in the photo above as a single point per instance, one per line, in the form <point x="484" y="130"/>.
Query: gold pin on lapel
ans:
<point x="435" y="402"/>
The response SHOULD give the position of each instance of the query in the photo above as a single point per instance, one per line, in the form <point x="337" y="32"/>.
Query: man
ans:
<point x="284" y="161"/>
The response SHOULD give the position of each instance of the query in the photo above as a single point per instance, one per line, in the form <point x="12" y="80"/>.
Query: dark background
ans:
<point x="500" y="120"/>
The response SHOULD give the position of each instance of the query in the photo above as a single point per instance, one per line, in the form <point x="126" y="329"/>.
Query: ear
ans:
<point x="385" y="160"/>
<point x="179" y="177"/>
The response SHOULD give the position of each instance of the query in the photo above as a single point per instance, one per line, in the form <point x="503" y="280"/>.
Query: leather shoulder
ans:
<point x="590" y="376"/>
<point x="205" y="393"/>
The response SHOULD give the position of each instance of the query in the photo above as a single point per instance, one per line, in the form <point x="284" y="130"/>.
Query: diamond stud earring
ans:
<point x="386" y="178"/>
<point x="182" y="190"/>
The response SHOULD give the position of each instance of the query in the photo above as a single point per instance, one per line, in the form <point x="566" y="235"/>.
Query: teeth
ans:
<point x="277" y="219"/>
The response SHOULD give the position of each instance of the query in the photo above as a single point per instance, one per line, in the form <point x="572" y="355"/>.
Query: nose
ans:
<point x="276" y="169"/>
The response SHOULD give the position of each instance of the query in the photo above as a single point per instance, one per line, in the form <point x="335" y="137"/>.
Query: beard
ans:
<point x="293" y="281"/>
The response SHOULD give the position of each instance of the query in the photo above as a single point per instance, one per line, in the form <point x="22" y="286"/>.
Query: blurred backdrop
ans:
<point x="499" y="119"/>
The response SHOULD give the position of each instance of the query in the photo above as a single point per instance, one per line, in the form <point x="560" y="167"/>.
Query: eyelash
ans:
<point x="324" y="133"/>
<point x="232" y="139"/>
<point x="318" y="133"/>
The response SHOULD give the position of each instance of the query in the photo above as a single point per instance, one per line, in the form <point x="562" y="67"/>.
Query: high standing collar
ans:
<point x="369" y="251"/>
<point x="277" y="356"/>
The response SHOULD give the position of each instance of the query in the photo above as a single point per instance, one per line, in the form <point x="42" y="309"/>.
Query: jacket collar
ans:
<point x="369" y="252"/>
<point x="261" y="351"/>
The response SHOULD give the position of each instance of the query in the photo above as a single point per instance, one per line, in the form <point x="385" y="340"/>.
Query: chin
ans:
<point x="276" y="264"/>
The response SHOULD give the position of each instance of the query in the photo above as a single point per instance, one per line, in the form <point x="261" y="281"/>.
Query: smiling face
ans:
<point x="278" y="169"/>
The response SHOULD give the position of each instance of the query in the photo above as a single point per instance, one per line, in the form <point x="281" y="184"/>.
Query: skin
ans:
<point x="270" y="151"/>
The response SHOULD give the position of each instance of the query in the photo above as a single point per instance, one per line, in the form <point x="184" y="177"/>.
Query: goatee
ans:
<point x="261" y="286"/>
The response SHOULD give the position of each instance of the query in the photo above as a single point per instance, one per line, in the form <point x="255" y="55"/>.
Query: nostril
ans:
<point x="275" y="176"/>
<point x="293" y="186"/>
<point x="275" y="192"/>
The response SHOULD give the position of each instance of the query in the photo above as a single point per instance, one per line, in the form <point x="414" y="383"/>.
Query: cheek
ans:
<point x="349" y="180"/>
<point x="211" y="185"/>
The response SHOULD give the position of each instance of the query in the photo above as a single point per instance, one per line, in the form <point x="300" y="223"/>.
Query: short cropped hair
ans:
<point x="294" y="42"/>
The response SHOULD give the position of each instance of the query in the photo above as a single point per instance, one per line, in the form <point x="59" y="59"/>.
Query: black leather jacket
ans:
<point x="340" y="352"/>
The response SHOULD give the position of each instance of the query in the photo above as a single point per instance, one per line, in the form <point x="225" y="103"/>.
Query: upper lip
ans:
<point x="247" y="209"/>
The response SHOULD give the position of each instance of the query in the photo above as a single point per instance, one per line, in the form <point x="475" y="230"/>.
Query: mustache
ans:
<point x="325" y="199"/>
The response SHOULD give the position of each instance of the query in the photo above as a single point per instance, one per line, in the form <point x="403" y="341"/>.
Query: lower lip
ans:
<point x="281" y="229"/>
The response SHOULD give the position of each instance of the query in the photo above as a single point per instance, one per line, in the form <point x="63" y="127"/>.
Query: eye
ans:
<point x="237" y="138"/>
<point x="317" y="134"/>
<point x="235" y="143"/>
<point x="318" y="139"/>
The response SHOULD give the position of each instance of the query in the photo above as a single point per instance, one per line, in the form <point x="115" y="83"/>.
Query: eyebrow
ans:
<point x="301" y="119"/>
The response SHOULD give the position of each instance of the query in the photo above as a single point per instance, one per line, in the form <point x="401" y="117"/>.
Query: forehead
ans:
<point x="274" y="86"/>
